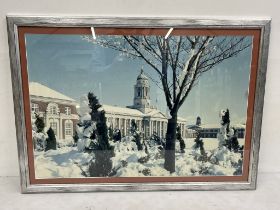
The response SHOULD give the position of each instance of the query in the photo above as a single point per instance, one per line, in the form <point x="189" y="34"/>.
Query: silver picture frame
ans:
<point x="14" y="21"/>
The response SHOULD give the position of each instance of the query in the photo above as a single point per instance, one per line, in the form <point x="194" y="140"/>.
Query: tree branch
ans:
<point x="142" y="56"/>
<point x="194" y="59"/>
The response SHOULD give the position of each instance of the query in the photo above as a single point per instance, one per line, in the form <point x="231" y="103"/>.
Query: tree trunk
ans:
<point x="169" y="162"/>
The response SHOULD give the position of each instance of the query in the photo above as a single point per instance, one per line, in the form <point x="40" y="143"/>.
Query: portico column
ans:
<point x="124" y="126"/>
<point x="60" y="126"/>
<point x="160" y="128"/>
<point x="113" y="123"/>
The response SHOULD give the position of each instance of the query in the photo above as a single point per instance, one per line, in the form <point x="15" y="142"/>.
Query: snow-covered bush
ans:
<point x="227" y="135"/>
<point x="224" y="130"/>
<point x="229" y="154"/>
<point x="85" y="134"/>
<point x="136" y="135"/>
<point x="233" y="144"/>
<point x="39" y="140"/>
<point x="129" y="161"/>
<point x="39" y="123"/>
<point x="227" y="159"/>
<point x="76" y="138"/>
<point x="51" y="140"/>
<point x="102" y="165"/>
<point x="38" y="135"/>
<point x="117" y="136"/>
<point x="180" y="139"/>
<point x="198" y="150"/>
<point x="155" y="140"/>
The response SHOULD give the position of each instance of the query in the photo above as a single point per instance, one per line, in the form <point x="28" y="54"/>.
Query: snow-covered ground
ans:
<point x="64" y="162"/>
<point x="68" y="162"/>
<point x="209" y="143"/>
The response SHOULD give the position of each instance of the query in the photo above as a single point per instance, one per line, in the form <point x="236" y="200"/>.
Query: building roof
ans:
<point x="142" y="76"/>
<point x="214" y="126"/>
<point x="193" y="126"/>
<point x="181" y="119"/>
<point x="135" y="112"/>
<point x="122" y="110"/>
<point x="155" y="113"/>
<point x="37" y="89"/>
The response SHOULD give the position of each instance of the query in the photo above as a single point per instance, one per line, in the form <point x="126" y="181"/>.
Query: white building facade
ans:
<point x="148" y="118"/>
<point x="58" y="111"/>
<point x="212" y="130"/>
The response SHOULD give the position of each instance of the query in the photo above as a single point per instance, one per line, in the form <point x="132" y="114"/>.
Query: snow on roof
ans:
<point x="181" y="119"/>
<point x="239" y="125"/>
<point x="210" y="126"/>
<point x="37" y="89"/>
<point x="218" y="126"/>
<point x="122" y="110"/>
<point x="135" y="112"/>
<point x="153" y="112"/>
<point x="193" y="126"/>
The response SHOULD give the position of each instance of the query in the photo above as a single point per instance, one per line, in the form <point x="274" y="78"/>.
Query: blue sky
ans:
<point x="72" y="66"/>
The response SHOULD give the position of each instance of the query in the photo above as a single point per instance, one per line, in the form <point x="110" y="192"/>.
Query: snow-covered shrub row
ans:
<point x="129" y="162"/>
<point x="148" y="160"/>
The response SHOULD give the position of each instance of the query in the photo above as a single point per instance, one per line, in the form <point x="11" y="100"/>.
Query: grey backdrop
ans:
<point x="265" y="197"/>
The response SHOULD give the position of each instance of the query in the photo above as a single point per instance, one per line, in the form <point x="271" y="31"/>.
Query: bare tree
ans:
<point x="179" y="62"/>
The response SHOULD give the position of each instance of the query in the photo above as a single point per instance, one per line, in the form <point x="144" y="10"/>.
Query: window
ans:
<point x="67" y="110"/>
<point x="68" y="128"/>
<point x="53" y="125"/>
<point x="139" y="92"/>
<point x="53" y="110"/>
<point x="34" y="108"/>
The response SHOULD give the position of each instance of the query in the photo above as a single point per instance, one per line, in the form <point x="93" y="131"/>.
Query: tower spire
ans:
<point x="142" y="92"/>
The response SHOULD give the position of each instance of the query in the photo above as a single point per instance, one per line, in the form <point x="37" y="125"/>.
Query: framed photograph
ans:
<point x="137" y="104"/>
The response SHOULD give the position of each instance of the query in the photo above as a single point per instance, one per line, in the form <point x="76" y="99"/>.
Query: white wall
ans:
<point x="269" y="169"/>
